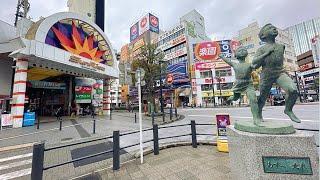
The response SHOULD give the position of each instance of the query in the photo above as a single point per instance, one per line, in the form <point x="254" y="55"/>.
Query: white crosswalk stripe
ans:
<point x="15" y="166"/>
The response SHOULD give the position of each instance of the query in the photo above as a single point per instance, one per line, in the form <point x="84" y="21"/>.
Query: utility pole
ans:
<point x="298" y="85"/>
<point x="161" y="97"/>
<point x="212" y="84"/>
<point x="21" y="4"/>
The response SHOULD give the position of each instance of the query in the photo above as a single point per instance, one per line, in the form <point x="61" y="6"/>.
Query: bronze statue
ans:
<point x="273" y="71"/>
<point x="243" y="81"/>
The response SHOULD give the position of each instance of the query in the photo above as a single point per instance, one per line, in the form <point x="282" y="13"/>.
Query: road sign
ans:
<point x="169" y="79"/>
<point x="142" y="73"/>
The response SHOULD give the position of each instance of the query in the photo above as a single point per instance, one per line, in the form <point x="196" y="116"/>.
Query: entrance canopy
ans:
<point x="68" y="43"/>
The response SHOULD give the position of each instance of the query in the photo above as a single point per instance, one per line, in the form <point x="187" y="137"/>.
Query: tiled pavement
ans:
<point x="179" y="163"/>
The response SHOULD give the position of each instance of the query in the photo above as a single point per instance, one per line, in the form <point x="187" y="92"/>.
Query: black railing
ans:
<point x="39" y="148"/>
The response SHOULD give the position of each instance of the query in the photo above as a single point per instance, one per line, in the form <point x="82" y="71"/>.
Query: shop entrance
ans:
<point x="47" y="91"/>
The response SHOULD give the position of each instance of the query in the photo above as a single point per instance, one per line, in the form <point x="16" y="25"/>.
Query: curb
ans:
<point x="149" y="150"/>
<point x="15" y="147"/>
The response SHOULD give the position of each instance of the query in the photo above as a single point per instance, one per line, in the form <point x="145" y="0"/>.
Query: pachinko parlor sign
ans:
<point x="85" y="64"/>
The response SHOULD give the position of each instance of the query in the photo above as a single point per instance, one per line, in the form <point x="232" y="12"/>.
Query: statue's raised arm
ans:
<point x="258" y="60"/>
<point x="227" y="60"/>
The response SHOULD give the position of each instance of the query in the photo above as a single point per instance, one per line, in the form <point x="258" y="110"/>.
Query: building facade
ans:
<point x="54" y="57"/>
<point x="248" y="37"/>
<point x="307" y="76"/>
<point x="302" y="34"/>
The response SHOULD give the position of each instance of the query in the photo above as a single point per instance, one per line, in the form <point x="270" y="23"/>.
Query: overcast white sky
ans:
<point x="223" y="18"/>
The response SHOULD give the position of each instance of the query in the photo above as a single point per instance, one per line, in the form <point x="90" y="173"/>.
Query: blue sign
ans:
<point x="180" y="73"/>
<point x="153" y="23"/>
<point x="225" y="48"/>
<point x="134" y="31"/>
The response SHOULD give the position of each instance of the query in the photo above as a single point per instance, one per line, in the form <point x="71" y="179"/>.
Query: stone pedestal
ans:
<point x="250" y="155"/>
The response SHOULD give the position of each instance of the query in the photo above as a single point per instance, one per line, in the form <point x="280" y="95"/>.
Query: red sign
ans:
<point x="305" y="67"/>
<point x="207" y="50"/>
<point x="169" y="78"/>
<point x="211" y="65"/>
<point x="234" y="45"/>
<point x="154" y="21"/>
<point x="143" y="22"/>
<point x="83" y="89"/>
<point x="215" y="80"/>
<point x="223" y="120"/>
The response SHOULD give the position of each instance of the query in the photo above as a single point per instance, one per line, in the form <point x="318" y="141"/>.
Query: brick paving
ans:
<point x="180" y="163"/>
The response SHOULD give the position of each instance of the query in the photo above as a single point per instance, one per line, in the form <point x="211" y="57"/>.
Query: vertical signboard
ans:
<point x="144" y="24"/>
<point x="83" y="90"/>
<point x="315" y="43"/>
<point x="134" y="31"/>
<point x="154" y="23"/>
<point x="223" y="120"/>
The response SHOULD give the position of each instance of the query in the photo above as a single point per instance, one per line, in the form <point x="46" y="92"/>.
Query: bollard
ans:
<point x="176" y="112"/>
<point x="38" y="125"/>
<point x="60" y="124"/>
<point x="194" y="134"/>
<point x="37" y="161"/>
<point x="94" y="126"/>
<point x="110" y="113"/>
<point x="155" y="140"/>
<point x="152" y="118"/>
<point x="170" y="114"/>
<point x="163" y="117"/>
<point x="135" y="117"/>
<point x="116" y="150"/>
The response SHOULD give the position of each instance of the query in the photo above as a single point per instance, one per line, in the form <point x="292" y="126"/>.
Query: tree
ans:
<point x="149" y="59"/>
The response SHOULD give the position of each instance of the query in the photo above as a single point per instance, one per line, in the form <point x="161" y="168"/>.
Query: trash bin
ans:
<point x="222" y="144"/>
<point x="29" y="119"/>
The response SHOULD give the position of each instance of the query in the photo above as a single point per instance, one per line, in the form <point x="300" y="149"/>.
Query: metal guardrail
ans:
<point x="39" y="148"/>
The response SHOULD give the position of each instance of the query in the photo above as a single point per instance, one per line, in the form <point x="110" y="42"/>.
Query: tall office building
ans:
<point x="302" y="34"/>
<point x="92" y="9"/>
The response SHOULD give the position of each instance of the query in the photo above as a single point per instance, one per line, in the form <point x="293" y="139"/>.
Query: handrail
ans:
<point x="163" y="127"/>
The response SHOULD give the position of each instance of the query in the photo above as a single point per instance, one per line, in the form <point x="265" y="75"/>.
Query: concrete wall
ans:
<point x="5" y="77"/>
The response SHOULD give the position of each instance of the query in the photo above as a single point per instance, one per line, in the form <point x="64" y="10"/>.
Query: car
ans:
<point x="279" y="100"/>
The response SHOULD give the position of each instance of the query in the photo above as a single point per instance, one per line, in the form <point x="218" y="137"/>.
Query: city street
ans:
<point x="19" y="161"/>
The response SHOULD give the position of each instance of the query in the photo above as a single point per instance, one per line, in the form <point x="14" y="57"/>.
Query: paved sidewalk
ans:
<point x="185" y="162"/>
<point x="81" y="127"/>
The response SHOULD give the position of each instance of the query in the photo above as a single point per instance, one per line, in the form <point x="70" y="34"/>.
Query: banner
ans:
<point x="223" y="120"/>
<point x="83" y="89"/>
<point x="6" y="120"/>
<point x="144" y="24"/>
<point x="134" y="31"/>
<point x="154" y="23"/>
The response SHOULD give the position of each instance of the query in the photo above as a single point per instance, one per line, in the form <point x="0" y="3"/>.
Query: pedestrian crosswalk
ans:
<point x="16" y="166"/>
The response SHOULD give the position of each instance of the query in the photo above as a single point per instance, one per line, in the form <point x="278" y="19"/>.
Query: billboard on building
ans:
<point x="154" y="23"/>
<point x="179" y="73"/>
<point x="124" y="53"/>
<point x="134" y="31"/>
<point x="315" y="43"/>
<point x="146" y="23"/>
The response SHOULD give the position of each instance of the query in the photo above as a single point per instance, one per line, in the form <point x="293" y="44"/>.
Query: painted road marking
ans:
<point x="248" y="117"/>
<point x="16" y="174"/>
<point x="19" y="146"/>
<point x="15" y="157"/>
<point x="16" y="164"/>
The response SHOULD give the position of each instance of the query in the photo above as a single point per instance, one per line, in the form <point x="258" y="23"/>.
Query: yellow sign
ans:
<point x="217" y="93"/>
<point x="91" y="64"/>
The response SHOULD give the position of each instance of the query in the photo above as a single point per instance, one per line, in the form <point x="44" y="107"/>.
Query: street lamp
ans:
<point x="298" y="84"/>
<point x="161" y="97"/>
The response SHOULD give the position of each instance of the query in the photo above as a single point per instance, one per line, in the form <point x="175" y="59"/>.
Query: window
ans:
<point x="225" y="86"/>
<point x="206" y="74"/>
<point x="206" y="87"/>
<point x="223" y="72"/>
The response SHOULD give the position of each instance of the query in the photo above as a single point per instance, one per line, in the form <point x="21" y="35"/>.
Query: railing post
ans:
<point x="163" y="116"/>
<point x="176" y="112"/>
<point x="38" y="120"/>
<point x="116" y="150"/>
<point x="135" y="117"/>
<point x="60" y="124"/>
<point x="94" y="126"/>
<point x="155" y="140"/>
<point x="152" y="118"/>
<point x="37" y="161"/>
<point x="194" y="134"/>
<point x="170" y="114"/>
<point x="110" y="113"/>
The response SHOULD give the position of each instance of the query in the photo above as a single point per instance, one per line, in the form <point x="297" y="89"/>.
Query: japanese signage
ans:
<point x="224" y="93"/>
<point x="124" y="54"/>
<point x="169" y="79"/>
<point x="191" y="29"/>
<point x="47" y="85"/>
<point x="209" y="51"/>
<point x="311" y="71"/>
<point x="172" y="31"/>
<point x="143" y="24"/>
<point x="175" y="54"/>
<point x="154" y="23"/>
<point x="211" y="65"/>
<point x="287" y="165"/>
<point x="173" y="42"/>
<point x="6" y="120"/>
<point x="85" y="64"/>
<point x="305" y="67"/>
<point x="134" y="31"/>
<point x="138" y="44"/>
<point x="83" y="90"/>
<point x="223" y="120"/>
<point x="315" y="43"/>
